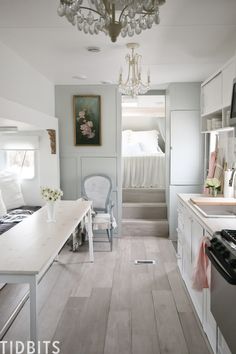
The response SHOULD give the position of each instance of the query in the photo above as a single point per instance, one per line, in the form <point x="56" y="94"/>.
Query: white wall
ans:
<point x="79" y="161"/>
<point x="21" y="83"/>
<point x="33" y="122"/>
<point x="27" y="100"/>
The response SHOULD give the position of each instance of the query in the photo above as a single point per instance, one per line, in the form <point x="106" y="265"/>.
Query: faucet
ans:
<point x="231" y="181"/>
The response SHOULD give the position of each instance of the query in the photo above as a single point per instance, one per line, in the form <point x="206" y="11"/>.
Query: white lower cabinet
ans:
<point x="209" y="323"/>
<point x="190" y="233"/>
<point x="222" y="346"/>
<point x="197" y="233"/>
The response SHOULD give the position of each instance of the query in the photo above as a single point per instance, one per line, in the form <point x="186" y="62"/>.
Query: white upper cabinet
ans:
<point x="216" y="97"/>
<point x="212" y="95"/>
<point x="228" y="74"/>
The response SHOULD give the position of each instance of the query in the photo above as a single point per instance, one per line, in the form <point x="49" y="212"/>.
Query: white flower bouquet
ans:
<point x="51" y="194"/>
<point x="214" y="185"/>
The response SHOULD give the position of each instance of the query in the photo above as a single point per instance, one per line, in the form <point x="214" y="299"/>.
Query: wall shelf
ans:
<point x="220" y="130"/>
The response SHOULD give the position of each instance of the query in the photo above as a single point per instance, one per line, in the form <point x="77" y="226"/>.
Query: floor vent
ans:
<point x="144" y="261"/>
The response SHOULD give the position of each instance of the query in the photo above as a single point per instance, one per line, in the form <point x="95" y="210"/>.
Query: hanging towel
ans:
<point x="212" y="165"/>
<point x="201" y="271"/>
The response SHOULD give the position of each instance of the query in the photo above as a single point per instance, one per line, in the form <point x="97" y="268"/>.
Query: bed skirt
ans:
<point x="147" y="171"/>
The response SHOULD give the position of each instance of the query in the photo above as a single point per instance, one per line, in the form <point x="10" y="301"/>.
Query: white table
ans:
<point x="29" y="248"/>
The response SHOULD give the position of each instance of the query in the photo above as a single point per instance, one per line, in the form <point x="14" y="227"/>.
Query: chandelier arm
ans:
<point x="121" y="14"/>
<point x="107" y="7"/>
<point x="128" y="77"/>
<point x="88" y="8"/>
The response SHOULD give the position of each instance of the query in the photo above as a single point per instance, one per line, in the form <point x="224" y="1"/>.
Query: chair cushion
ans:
<point x="102" y="221"/>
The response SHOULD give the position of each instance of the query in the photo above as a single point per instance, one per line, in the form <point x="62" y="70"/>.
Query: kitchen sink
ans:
<point x="217" y="211"/>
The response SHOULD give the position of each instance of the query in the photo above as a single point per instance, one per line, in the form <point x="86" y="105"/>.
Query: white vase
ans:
<point x="51" y="211"/>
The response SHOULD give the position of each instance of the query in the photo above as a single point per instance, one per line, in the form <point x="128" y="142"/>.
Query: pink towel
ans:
<point x="211" y="169"/>
<point x="201" y="271"/>
<point x="212" y="165"/>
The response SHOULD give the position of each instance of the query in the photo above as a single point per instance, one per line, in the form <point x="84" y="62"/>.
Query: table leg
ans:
<point x="33" y="310"/>
<point x="90" y="236"/>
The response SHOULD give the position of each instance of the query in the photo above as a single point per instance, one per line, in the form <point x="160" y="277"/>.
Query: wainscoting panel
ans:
<point x="69" y="177"/>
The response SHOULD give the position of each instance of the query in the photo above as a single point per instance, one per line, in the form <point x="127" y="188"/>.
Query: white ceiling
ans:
<point x="193" y="39"/>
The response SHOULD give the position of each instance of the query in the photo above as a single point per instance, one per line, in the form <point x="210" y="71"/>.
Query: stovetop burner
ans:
<point x="229" y="235"/>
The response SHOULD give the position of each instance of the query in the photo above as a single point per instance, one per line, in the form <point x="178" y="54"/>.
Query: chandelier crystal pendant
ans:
<point x="133" y="85"/>
<point x="113" y="17"/>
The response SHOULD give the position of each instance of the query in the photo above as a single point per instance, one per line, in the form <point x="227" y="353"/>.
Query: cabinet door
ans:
<point x="212" y="95"/>
<point x="187" y="244"/>
<point x="197" y="233"/>
<point x="209" y="323"/>
<point x="228" y="75"/>
<point x="180" y="251"/>
<point x="186" y="156"/>
<point x="180" y="232"/>
<point x="222" y="347"/>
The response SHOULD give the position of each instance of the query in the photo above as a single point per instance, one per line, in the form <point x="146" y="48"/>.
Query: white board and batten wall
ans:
<point x="76" y="162"/>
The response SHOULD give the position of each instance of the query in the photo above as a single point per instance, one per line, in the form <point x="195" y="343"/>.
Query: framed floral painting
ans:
<point x="87" y="120"/>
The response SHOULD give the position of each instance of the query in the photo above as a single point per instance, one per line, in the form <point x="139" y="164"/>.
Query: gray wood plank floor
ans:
<point x="113" y="306"/>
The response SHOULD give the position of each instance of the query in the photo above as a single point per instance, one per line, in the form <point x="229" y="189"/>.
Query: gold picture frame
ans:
<point x="87" y="120"/>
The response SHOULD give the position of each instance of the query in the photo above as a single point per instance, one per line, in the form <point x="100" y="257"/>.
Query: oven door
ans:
<point x="223" y="301"/>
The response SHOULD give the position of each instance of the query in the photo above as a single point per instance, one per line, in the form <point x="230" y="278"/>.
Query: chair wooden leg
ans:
<point x="110" y="235"/>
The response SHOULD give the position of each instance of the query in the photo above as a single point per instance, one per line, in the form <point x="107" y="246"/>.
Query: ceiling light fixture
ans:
<point x="133" y="85"/>
<point x="79" y="77"/>
<point x="93" y="49"/>
<point x="113" y="17"/>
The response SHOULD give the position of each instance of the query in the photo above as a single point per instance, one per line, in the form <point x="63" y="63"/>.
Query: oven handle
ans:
<point x="220" y="268"/>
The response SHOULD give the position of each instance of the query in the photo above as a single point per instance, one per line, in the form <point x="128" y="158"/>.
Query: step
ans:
<point x="143" y="227"/>
<point x="143" y="195"/>
<point x="144" y="211"/>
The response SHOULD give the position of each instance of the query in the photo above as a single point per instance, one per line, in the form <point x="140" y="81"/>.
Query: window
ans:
<point x="21" y="162"/>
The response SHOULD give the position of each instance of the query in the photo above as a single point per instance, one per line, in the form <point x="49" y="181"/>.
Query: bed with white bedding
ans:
<point x="143" y="162"/>
<point x="144" y="171"/>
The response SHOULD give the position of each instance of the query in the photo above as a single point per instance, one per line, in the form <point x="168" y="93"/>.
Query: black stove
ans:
<point x="222" y="253"/>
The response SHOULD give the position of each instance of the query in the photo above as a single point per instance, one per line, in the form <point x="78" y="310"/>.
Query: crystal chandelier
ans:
<point x="133" y="85"/>
<point x="113" y="17"/>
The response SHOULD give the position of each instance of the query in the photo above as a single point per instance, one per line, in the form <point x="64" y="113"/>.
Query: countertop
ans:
<point x="210" y="224"/>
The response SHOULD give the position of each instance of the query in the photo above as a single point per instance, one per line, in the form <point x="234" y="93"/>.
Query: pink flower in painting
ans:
<point x="91" y="135"/>
<point x="86" y="130"/>
<point x="86" y="126"/>
<point x="90" y="123"/>
<point x="82" y="114"/>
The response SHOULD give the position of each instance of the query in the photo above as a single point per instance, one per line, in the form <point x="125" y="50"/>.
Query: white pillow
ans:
<point x="132" y="149"/>
<point x="149" y="150"/>
<point x="11" y="190"/>
<point x="126" y="137"/>
<point x="3" y="209"/>
<point x="148" y="138"/>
